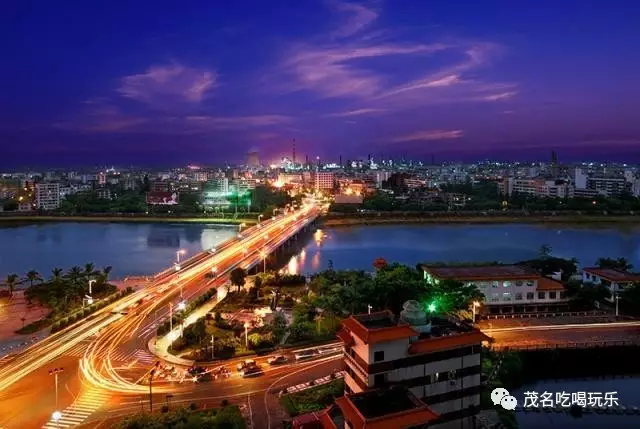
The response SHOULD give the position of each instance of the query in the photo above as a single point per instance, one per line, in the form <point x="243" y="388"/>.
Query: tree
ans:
<point x="89" y="270"/>
<point x="380" y="263"/>
<point x="238" y="277"/>
<point x="584" y="296"/>
<point x="57" y="274"/>
<point x="278" y="327"/>
<point x="621" y="264"/>
<point x="545" y="251"/>
<point x="12" y="281"/>
<point x="630" y="299"/>
<point x="33" y="276"/>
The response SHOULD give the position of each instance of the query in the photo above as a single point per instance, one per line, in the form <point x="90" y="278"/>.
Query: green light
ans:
<point x="431" y="308"/>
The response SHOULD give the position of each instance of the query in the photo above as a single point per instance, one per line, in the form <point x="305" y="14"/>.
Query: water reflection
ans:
<point x="163" y="238"/>
<point x="357" y="247"/>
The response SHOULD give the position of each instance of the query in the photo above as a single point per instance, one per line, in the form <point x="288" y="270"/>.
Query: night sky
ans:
<point x="169" y="83"/>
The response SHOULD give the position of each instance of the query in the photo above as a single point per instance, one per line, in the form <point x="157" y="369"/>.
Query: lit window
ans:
<point x="494" y="284"/>
<point x="506" y="296"/>
<point x="506" y="284"/>
<point x="529" y="282"/>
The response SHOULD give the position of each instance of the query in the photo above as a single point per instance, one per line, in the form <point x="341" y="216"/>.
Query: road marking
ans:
<point x="119" y="356"/>
<point x="564" y="327"/>
<point x="250" y="412"/>
<point x="85" y="405"/>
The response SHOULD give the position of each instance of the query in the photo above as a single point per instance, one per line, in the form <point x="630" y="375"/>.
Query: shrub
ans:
<point x="193" y="406"/>
<point x="224" y="403"/>
<point x="164" y="409"/>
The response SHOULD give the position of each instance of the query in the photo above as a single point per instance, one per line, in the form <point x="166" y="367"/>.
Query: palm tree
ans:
<point x="75" y="273"/>
<point x="106" y="271"/>
<point x="89" y="270"/>
<point x="545" y="251"/>
<point x="33" y="276"/>
<point x="12" y="282"/>
<point x="57" y="274"/>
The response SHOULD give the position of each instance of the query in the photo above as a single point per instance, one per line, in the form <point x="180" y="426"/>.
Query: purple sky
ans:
<point x="169" y="83"/>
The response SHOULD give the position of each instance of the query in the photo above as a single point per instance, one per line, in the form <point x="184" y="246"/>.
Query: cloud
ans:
<point x="500" y="96"/>
<point x="220" y="122"/>
<point x="359" y="17"/>
<point x="330" y="72"/>
<point x="357" y="112"/>
<point x="427" y="135"/>
<point x="161" y="84"/>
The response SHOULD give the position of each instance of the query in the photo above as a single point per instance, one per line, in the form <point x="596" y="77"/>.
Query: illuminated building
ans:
<point x="47" y="196"/>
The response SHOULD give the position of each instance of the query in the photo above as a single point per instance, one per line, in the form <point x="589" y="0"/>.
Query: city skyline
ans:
<point x="205" y="84"/>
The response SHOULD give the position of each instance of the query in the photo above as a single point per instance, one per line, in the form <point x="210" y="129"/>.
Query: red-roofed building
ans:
<point x="436" y="359"/>
<point x="615" y="280"/>
<point x="507" y="288"/>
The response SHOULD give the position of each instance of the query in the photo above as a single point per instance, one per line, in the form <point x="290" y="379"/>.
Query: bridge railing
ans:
<point x="544" y="315"/>
<point x="572" y="345"/>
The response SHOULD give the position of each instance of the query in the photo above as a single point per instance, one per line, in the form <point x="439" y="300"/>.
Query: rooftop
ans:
<point x="488" y="272"/>
<point x="395" y="407"/>
<point x="613" y="275"/>
<point x="377" y="327"/>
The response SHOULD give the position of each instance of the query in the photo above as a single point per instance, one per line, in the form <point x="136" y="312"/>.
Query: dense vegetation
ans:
<point x="228" y="417"/>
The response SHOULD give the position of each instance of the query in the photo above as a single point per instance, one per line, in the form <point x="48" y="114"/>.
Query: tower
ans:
<point x="293" y="159"/>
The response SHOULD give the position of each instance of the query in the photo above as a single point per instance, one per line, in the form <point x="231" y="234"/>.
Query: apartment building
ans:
<point x="539" y="187"/>
<point x="322" y="180"/>
<point x="436" y="359"/>
<point x="609" y="186"/>
<point x="47" y="196"/>
<point x="615" y="280"/>
<point x="506" y="288"/>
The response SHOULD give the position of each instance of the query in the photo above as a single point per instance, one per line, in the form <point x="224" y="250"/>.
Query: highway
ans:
<point x="105" y="357"/>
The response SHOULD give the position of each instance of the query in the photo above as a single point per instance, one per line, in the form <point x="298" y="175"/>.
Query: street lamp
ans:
<point x="182" y="305"/>
<point x="170" y="322"/>
<point x="246" y="335"/>
<point x="55" y="371"/>
<point x="617" y="299"/>
<point x="178" y="253"/>
<point x="369" y="308"/>
<point x="474" y="305"/>
<point x="260" y="217"/>
<point x="91" y="282"/>
<point x="213" y="347"/>
<point x="57" y="415"/>
<point x="242" y="225"/>
<point x="151" y="374"/>
<point x="88" y="299"/>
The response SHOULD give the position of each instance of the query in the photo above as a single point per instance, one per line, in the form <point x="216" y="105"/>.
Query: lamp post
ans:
<point x="369" y="308"/>
<point x="474" y="305"/>
<point x="151" y="374"/>
<point x="246" y="335"/>
<point x="242" y="225"/>
<point x="617" y="299"/>
<point x="56" y="414"/>
<point x="170" y="322"/>
<point x="260" y="216"/>
<point x="178" y="253"/>
<point x="91" y="282"/>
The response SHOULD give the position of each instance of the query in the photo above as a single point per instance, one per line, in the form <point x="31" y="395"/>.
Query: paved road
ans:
<point x="554" y="334"/>
<point x="111" y="347"/>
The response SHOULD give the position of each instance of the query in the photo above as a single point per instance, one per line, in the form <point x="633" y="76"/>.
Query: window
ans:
<point x="494" y="284"/>
<point x="379" y="380"/>
<point x="506" y="284"/>
<point x="519" y="296"/>
<point x="529" y="282"/>
<point x="436" y="377"/>
<point x="494" y="297"/>
<point x="540" y="295"/>
<point x="378" y="356"/>
<point x="529" y="296"/>
<point x="519" y="283"/>
<point x="552" y="295"/>
<point x="506" y="296"/>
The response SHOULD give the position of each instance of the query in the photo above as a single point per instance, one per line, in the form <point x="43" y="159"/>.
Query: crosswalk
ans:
<point x="85" y="405"/>
<point x="140" y="356"/>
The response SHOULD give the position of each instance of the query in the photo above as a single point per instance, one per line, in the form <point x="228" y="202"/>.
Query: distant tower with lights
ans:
<point x="253" y="159"/>
<point x="293" y="159"/>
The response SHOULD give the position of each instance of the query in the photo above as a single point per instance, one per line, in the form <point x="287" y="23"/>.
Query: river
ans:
<point x="357" y="247"/>
<point x="130" y="248"/>
<point x="141" y="249"/>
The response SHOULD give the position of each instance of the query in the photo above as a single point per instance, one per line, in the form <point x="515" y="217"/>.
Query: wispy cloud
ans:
<point x="357" y="112"/>
<point x="427" y="135"/>
<point x="500" y="96"/>
<point x="330" y="72"/>
<point x="357" y="17"/>
<point x="174" y="82"/>
<point x="220" y="122"/>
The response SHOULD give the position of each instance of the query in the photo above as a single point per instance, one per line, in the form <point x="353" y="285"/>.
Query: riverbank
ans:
<point x="335" y="221"/>
<point x="36" y="219"/>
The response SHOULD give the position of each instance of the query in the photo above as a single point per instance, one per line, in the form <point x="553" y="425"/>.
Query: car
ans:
<point x="196" y="370"/>
<point x="306" y="354"/>
<point x="249" y="363"/>
<point x="276" y="360"/>
<point x="252" y="371"/>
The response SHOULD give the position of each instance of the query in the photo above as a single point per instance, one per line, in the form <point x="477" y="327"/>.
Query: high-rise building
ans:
<point x="322" y="180"/>
<point x="253" y="159"/>
<point x="47" y="196"/>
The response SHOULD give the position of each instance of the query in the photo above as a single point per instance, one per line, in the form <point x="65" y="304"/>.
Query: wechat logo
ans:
<point x="500" y="396"/>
